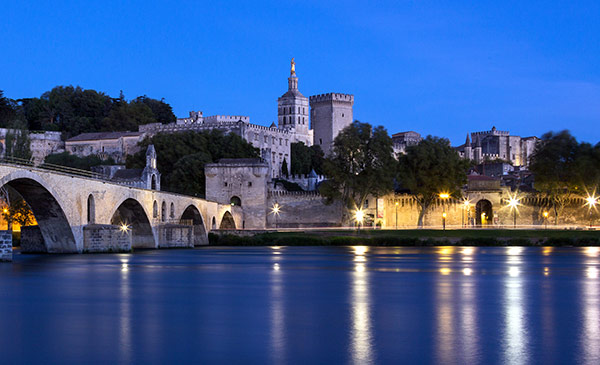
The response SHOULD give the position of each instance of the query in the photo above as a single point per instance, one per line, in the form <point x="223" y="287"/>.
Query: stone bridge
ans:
<point x="72" y="211"/>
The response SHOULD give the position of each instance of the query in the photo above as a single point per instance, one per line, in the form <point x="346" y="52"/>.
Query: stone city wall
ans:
<point x="302" y="209"/>
<point x="6" y="252"/>
<point x="105" y="238"/>
<point x="530" y="212"/>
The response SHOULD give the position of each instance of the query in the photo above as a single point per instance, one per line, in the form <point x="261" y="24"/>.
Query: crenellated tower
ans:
<point x="292" y="110"/>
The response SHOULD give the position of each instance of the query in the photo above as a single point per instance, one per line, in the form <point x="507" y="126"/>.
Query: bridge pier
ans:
<point x="175" y="235"/>
<point x="106" y="238"/>
<point x="6" y="252"/>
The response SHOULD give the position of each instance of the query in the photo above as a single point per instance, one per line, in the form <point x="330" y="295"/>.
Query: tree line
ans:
<point x="73" y="110"/>
<point x="362" y="164"/>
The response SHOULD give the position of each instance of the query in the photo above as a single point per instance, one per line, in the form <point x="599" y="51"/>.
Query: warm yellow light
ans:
<point x="444" y="195"/>
<point x="513" y="202"/>
<point x="545" y="214"/>
<point x="444" y="215"/>
<point x="276" y="208"/>
<point x="396" y="203"/>
<point x="360" y="250"/>
<point x="445" y="271"/>
<point x="467" y="271"/>
<point x="513" y="271"/>
<point x="124" y="228"/>
<point x="468" y="251"/>
<point x="466" y="202"/>
<point x="592" y="272"/>
<point x="359" y="215"/>
<point x="5" y="210"/>
<point x="591" y="201"/>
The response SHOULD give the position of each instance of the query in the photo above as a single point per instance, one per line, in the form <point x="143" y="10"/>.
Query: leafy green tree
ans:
<point x="284" y="168"/>
<point x="18" y="211"/>
<point x="430" y="168"/>
<point x="188" y="176"/>
<point x="305" y="158"/>
<point x="17" y="142"/>
<point x="163" y="113"/>
<point x="127" y="117"/>
<point x="8" y="110"/>
<point x="186" y="153"/>
<point x="361" y="164"/>
<point x="564" y="168"/>
<point x="82" y="163"/>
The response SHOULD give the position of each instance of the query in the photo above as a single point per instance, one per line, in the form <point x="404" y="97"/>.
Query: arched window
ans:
<point x="235" y="200"/>
<point x="172" y="211"/>
<point x="155" y="210"/>
<point x="153" y="185"/>
<point x="163" y="211"/>
<point x="91" y="209"/>
<point x="214" y="223"/>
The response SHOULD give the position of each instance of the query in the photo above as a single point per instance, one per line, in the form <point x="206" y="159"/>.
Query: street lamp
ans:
<point x="466" y="204"/>
<point x="275" y="210"/>
<point x="591" y="202"/>
<point x="359" y="215"/>
<point x="444" y="196"/>
<point x="396" y="215"/>
<point x="513" y="203"/>
<point x="546" y="219"/>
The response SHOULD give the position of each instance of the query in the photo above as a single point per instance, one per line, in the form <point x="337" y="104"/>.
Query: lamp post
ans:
<point x="591" y="202"/>
<point x="465" y="211"/>
<point x="546" y="220"/>
<point x="396" y="215"/>
<point x="513" y="203"/>
<point x="359" y="215"/>
<point x="275" y="210"/>
<point x="444" y="196"/>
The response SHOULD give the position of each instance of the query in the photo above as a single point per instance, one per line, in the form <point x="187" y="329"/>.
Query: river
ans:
<point x="480" y="305"/>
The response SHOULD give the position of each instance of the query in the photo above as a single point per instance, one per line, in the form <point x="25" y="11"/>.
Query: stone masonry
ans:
<point x="106" y="238"/>
<point x="6" y="252"/>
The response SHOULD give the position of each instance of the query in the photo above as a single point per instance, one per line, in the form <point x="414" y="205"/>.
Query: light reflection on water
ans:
<point x="361" y="337"/>
<point x="305" y="305"/>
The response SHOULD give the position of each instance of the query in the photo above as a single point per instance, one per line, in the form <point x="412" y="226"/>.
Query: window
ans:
<point x="320" y="141"/>
<point x="286" y="142"/>
<point x="280" y="141"/>
<point x="155" y="210"/>
<point x="163" y="211"/>
<point x="266" y="139"/>
<point x="249" y="184"/>
<point x="366" y="204"/>
<point x="172" y="212"/>
<point x="225" y="183"/>
<point x="342" y="115"/>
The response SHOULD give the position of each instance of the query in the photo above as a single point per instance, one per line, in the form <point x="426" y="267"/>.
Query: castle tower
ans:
<point x="329" y="114"/>
<point x="292" y="110"/>
<point x="468" y="151"/>
<point x="477" y="151"/>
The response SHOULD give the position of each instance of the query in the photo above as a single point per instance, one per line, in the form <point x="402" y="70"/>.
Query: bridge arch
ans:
<point x="47" y="207"/>
<point x="192" y="213"/>
<point x="163" y="211"/>
<point x="483" y="212"/>
<point x="131" y="213"/>
<point x="227" y="222"/>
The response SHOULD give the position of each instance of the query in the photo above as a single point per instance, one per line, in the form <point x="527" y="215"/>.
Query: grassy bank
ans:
<point x="482" y="237"/>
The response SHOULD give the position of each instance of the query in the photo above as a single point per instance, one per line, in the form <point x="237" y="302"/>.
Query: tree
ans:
<point x="305" y="158"/>
<point x="17" y="142"/>
<point x="361" y="164"/>
<point x="563" y="168"/>
<point x="284" y="168"/>
<point x="186" y="153"/>
<point x="18" y="211"/>
<point x="8" y="110"/>
<point x="163" y="113"/>
<point x="430" y="168"/>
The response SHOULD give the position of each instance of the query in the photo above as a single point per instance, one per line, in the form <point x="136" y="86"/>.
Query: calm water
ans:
<point x="304" y="305"/>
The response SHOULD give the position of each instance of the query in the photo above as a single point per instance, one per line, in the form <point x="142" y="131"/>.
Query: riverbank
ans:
<point x="423" y="237"/>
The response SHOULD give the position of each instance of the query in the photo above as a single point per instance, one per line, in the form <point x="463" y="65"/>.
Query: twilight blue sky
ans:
<point x="437" y="67"/>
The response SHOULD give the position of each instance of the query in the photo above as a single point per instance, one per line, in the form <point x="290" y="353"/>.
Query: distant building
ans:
<point x="105" y="144"/>
<point x="498" y="145"/>
<point x="42" y="144"/>
<point x="404" y="139"/>
<point x="329" y="114"/>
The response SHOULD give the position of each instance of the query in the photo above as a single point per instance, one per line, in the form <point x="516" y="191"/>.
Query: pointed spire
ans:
<point x="468" y="142"/>
<point x="478" y="142"/>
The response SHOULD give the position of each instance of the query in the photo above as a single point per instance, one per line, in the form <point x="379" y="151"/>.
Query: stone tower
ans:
<point x="329" y="114"/>
<point x="468" y="152"/>
<point x="477" y="151"/>
<point x="292" y="110"/>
